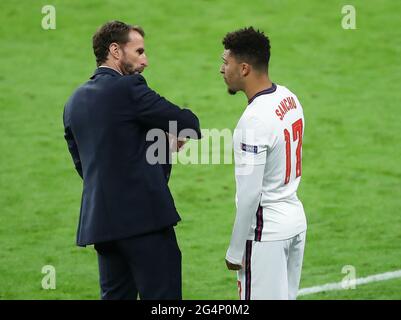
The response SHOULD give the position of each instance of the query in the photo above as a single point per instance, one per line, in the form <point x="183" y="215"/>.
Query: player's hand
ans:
<point x="232" y="266"/>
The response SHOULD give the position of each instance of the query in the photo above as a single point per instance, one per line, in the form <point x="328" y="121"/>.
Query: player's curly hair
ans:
<point x="250" y="46"/>
<point x="113" y="31"/>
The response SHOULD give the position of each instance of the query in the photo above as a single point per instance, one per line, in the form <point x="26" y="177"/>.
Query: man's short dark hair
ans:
<point x="250" y="46"/>
<point x="113" y="31"/>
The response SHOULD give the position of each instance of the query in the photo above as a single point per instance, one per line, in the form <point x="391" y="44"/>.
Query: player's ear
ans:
<point x="245" y="69"/>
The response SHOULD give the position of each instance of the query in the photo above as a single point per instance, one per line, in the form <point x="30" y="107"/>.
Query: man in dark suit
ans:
<point x="127" y="210"/>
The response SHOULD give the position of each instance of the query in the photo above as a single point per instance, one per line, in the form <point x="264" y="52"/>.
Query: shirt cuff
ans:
<point x="234" y="260"/>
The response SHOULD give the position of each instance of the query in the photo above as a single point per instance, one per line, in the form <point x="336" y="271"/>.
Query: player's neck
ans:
<point x="256" y="85"/>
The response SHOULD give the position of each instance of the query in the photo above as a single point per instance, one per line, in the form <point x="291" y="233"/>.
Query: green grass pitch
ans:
<point x="347" y="80"/>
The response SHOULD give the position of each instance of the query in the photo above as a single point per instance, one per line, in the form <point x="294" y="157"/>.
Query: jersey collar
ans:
<point x="272" y="89"/>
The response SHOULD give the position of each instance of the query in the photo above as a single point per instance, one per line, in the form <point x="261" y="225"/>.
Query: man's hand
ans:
<point x="180" y="143"/>
<point x="176" y="144"/>
<point x="232" y="266"/>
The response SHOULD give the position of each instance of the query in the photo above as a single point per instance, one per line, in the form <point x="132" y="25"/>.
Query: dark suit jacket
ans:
<point x="106" y="121"/>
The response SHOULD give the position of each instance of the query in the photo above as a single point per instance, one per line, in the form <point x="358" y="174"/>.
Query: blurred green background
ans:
<point x="347" y="80"/>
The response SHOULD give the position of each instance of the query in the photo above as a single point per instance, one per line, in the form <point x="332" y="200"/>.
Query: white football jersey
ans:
<point x="270" y="133"/>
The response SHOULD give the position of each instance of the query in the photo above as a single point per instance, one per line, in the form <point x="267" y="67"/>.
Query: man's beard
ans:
<point x="128" y="68"/>
<point x="231" y="91"/>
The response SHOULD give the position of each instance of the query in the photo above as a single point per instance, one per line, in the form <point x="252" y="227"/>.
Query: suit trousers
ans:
<point x="148" y="266"/>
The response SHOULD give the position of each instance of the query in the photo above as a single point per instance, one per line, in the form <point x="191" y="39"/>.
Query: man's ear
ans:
<point x="114" y="50"/>
<point x="245" y="69"/>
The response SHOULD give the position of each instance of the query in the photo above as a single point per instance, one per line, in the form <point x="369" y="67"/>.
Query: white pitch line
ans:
<point x="342" y="286"/>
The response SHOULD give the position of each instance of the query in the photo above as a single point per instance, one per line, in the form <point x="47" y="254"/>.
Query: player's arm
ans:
<point x="250" y="160"/>
<point x="249" y="187"/>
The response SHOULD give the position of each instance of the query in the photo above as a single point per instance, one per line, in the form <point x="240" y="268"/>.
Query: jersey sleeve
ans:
<point x="249" y="187"/>
<point x="251" y="142"/>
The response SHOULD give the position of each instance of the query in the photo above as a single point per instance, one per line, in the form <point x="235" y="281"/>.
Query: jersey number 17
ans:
<point x="297" y="128"/>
